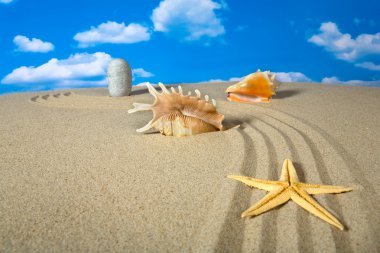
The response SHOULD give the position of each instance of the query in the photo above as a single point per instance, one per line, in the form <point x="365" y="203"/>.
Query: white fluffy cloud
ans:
<point x="368" y="65"/>
<point x="6" y="1"/>
<point x="291" y="77"/>
<point x="77" y="66"/>
<point x="80" y="69"/>
<point x="343" y="45"/>
<point x="232" y="79"/>
<point x="331" y="80"/>
<point x="24" y="44"/>
<point x="335" y="80"/>
<point x="140" y="72"/>
<point x="113" y="32"/>
<point x="346" y="48"/>
<point x="191" y="19"/>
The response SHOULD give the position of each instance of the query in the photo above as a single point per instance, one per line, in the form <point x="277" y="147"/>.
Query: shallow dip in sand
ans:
<point x="75" y="176"/>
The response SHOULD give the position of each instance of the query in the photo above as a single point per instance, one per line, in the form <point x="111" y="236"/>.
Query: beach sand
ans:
<point x="75" y="176"/>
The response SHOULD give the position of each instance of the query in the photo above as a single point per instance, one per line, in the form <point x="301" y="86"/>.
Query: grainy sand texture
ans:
<point x="76" y="177"/>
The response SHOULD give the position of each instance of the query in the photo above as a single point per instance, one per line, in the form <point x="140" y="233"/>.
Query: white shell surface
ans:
<point x="119" y="78"/>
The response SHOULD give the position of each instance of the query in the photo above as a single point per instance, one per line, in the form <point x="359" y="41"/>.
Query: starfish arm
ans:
<point x="288" y="172"/>
<point x="322" y="189"/>
<point x="266" y="185"/>
<point x="308" y="203"/>
<point x="273" y="199"/>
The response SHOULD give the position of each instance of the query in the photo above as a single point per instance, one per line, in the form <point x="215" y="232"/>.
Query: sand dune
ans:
<point x="75" y="175"/>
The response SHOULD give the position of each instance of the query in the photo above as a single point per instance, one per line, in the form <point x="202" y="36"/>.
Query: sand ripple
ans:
<point x="76" y="101"/>
<point x="266" y="139"/>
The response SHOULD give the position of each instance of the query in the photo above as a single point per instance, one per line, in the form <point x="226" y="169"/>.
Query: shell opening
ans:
<point x="231" y="96"/>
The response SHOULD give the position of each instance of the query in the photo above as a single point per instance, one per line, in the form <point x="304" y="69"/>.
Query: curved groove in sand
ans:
<point x="233" y="231"/>
<point x="309" y="149"/>
<point x="288" y="133"/>
<point x="303" y="218"/>
<point x="268" y="233"/>
<point x="333" y="203"/>
<point x="329" y="144"/>
<point x="74" y="101"/>
<point x="231" y="234"/>
<point x="228" y="202"/>
<point x="367" y="198"/>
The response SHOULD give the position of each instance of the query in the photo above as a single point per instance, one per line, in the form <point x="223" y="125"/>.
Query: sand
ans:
<point x="76" y="177"/>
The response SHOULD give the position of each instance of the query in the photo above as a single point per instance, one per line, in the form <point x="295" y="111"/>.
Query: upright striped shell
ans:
<point x="175" y="114"/>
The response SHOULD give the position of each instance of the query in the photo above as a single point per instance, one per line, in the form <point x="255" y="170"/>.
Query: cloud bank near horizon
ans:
<point x="81" y="69"/>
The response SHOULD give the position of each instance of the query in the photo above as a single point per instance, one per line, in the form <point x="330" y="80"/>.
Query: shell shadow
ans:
<point x="227" y="125"/>
<point x="145" y="90"/>
<point x="285" y="93"/>
<point x="138" y="92"/>
<point x="231" y="123"/>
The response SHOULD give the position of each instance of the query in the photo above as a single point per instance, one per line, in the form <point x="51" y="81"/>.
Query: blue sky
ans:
<point x="48" y="44"/>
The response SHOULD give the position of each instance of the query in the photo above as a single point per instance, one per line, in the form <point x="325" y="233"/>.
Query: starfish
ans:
<point x="289" y="187"/>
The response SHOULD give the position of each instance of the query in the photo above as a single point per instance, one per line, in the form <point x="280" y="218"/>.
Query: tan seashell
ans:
<point x="175" y="114"/>
<point x="256" y="87"/>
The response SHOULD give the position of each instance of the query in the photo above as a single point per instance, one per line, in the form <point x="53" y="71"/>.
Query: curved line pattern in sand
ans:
<point x="313" y="154"/>
<point x="269" y="233"/>
<point x="228" y="202"/>
<point x="367" y="198"/>
<point x="232" y="232"/>
<point x="75" y="101"/>
<point x="333" y="203"/>
<point x="303" y="221"/>
<point x="300" y="138"/>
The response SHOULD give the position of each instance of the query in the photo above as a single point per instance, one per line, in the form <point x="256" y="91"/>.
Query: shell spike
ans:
<point x="189" y="93"/>
<point x="207" y="98"/>
<point x="273" y="77"/>
<point x="213" y="102"/>
<point x="198" y="93"/>
<point x="152" y="90"/>
<point x="173" y="90"/>
<point x="140" y="107"/>
<point x="180" y="90"/>
<point x="163" y="88"/>
<point x="146" y="127"/>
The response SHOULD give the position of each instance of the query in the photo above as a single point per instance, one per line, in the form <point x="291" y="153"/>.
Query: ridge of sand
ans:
<point x="75" y="176"/>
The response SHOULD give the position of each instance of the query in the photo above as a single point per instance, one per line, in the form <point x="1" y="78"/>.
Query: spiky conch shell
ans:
<point x="175" y="114"/>
<point x="255" y="87"/>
